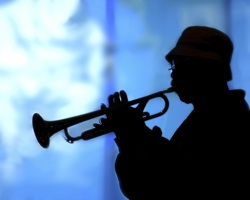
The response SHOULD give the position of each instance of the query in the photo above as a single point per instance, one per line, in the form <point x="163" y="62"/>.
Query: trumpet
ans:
<point x="45" y="129"/>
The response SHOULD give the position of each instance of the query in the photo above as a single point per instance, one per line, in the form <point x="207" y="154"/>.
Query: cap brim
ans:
<point x="193" y="53"/>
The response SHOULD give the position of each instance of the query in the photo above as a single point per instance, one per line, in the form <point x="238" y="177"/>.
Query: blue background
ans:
<point x="63" y="58"/>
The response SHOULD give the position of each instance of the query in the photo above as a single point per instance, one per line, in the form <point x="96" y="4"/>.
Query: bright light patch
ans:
<point x="55" y="69"/>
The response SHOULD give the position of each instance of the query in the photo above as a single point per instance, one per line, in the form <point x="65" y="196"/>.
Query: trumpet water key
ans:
<point x="45" y="129"/>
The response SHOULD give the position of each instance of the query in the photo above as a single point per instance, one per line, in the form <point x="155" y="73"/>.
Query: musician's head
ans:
<point x="200" y="61"/>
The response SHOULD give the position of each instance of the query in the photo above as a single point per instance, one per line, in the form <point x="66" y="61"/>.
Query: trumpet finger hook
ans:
<point x="69" y="138"/>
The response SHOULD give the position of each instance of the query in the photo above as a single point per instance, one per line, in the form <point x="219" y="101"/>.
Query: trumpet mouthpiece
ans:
<point x="170" y="89"/>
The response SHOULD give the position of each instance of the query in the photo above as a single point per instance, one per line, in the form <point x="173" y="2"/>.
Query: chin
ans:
<point x="184" y="98"/>
<point x="185" y="101"/>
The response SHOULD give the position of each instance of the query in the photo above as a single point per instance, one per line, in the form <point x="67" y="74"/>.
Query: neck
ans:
<point x="210" y="97"/>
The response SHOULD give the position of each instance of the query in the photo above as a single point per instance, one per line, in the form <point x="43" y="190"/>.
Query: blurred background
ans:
<point x="62" y="58"/>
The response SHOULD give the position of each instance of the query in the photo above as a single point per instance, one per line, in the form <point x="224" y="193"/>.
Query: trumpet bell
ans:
<point x="40" y="130"/>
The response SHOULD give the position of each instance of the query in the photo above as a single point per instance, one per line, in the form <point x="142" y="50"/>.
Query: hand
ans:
<point x="125" y="121"/>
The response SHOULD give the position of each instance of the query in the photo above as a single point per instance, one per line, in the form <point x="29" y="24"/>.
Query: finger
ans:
<point x="113" y="99"/>
<point x="116" y="98"/>
<point x="110" y="100"/>
<point x="124" y="97"/>
<point x="103" y="106"/>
